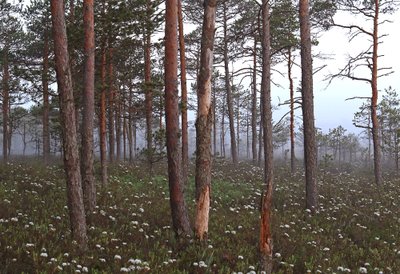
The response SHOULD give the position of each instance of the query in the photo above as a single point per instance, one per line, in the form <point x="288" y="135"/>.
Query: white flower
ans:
<point x="326" y="249"/>
<point x="240" y="257"/>
<point x="44" y="255"/>
<point x="278" y="255"/>
<point x="363" y="270"/>
<point x="117" y="257"/>
<point x="124" y="269"/>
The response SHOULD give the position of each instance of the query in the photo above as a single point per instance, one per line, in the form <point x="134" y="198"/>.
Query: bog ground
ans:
<point x="356" y="230"/>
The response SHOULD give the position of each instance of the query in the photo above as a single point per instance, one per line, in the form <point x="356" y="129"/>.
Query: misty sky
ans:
<point x="331" y="107"/>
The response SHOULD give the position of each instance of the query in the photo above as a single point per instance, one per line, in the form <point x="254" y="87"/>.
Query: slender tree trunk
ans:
<point x="310" y="157"/>
<point x="180" y="217"/>
<point x="46" y="106"/>
<point x="149" y="94"/>
<point x="260" y="136"/>
<point x="223" y="128"/>
<point x="184" y="99"/>
<point x="254" y="105"/>
<point x="111" y="93"/>
<point x="204" y="122"/>
<point x="67" y="108"/>
<point x="228" y="87"/>
<point x="214" y="120"/>
<point x="130" y="122"/>
<point x="118" y="125"/>
<point x="265" y="241"/>
<point x="292" y="137"/>
<point x="374" y="101"/>
<point x="102" y="120"/>
<point x="6" y="102"/>
<point x="87" y="165"/>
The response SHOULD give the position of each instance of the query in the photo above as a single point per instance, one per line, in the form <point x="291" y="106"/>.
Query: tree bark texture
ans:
<point x="87" y="168"/>
<point x="310" y="149"/>
<point x="265" y="241"/>
<point x="229" y="100"/>
<point x="204" y="123"/>
<point x="67" y="108"/>
<point x="180" y="217"/>
<point x="184" y="98"/>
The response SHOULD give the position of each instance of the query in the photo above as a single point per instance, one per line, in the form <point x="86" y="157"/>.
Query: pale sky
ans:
<point x="331" y="107"/>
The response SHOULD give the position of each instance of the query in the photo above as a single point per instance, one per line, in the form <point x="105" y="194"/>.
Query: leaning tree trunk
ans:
<point x="87" y="168"/>
<point x="67" y="109"/>
<point x="310" y="149"/>
<point x="265" y="241"/>
<point x="180" y="217"/>
<point x="374" y="101"/>
<point x="204" y="122"/>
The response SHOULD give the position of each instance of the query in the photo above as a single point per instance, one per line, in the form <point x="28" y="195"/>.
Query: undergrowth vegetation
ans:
<point x="357" y="228"/>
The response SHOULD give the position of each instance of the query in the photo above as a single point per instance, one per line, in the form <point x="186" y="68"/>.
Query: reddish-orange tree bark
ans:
<point x="180" y="217"/>
<point x="89" y="188"/>
<point x="67" y="109"/>
<point x="204" y="122"/>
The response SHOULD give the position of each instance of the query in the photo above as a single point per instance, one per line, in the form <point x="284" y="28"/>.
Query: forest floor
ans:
<point x="357" y="229"/>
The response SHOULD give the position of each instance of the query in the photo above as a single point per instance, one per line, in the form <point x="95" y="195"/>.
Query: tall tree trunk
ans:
<point x="6" y="102"/>
<point x="148" y="101"/>
<point x="292" y="137"/>
<point x="374" y="101"/>
<point x="265" y="241"/>
<point x="204" y="122"/>
<point x="223" y="153"/>
<point x="214" y="100"/>
<point x="67" y="109"/>
<point x="180" y="217"/>
<point x="310" y="149"/>
<point x="260" y="136"/>
<point x="46" y="106"/>
<point x="184" y="99"/>
<point x="87" y="166"/>
<point x="130" y="122"/>
<point x="254" y="105"/>
<point x="228" y="87"/>
<point x="111" y="93"/>
<point x="118" y="125"/>
<point x="102" y="120"/>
